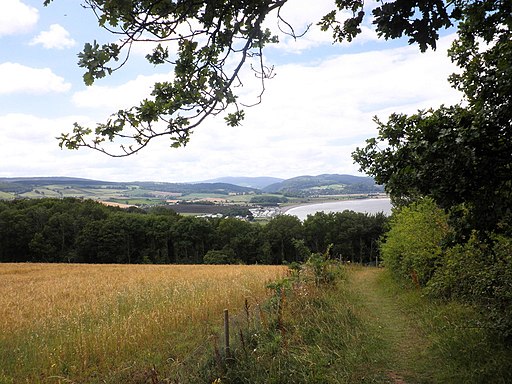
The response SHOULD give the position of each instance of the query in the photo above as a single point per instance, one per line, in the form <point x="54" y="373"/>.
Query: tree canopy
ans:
<point x="459" y="155"/>
<point x="207" y="43"/>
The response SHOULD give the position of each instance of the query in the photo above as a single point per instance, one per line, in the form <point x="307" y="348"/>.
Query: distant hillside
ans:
<point x="328" y="184"/>
<point x="132" y="192"/>
<point x="69" y="186"/>
<point x="249" y="182"/>
<point x="220" y="188"/>
<point x="27" y="182"/>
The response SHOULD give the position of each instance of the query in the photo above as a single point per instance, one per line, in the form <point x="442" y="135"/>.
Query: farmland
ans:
<point x="86" y="322"/>
<point x="162" y="324"/>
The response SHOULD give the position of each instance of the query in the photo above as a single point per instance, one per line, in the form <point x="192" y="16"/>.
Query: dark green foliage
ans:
<point x="72" y="230"/>
<point x="479" y="273"/>
<point x="239" y="212"/>
<point x="17" y="232"/>
<point x="240" y="239"/>
<point x="354" y="236"/>
<point x="323" y="267"/>
<point x="303" y="253"/>
<point x="268" y="200"/>
<point x="56" y="239"/>
<point x="448" y="155"/>
<point x="459" y="155"/>
<point x="219" y="257"/>
<point x="420" y="20"/>
<point x="192" y="237"/>
<point x="44" y="230"/>
<point x="280" y="234"/>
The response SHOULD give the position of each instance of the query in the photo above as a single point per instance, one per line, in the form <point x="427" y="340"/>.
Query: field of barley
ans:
<point x="63" y="323"/>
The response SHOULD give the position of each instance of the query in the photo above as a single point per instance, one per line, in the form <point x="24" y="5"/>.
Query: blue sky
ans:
<point x="315" y="112"/>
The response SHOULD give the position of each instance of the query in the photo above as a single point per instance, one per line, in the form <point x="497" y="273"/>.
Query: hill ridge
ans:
<point x="299" y="186"/>
<point x="325" y="184"/>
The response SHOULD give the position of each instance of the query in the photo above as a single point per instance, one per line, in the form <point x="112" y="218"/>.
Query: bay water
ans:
<point x="357" y="205"/>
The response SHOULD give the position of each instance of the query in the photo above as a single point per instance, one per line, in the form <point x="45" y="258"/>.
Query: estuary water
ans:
<point x="358" y="205"/>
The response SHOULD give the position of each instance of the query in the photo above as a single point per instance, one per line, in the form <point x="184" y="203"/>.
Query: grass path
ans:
<point x="401" y="336"/>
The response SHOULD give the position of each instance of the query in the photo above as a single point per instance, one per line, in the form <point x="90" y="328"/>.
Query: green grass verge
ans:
<point x="459" y="349"/>
<point x="318" y="338"/>
<point x="364" y="329"/>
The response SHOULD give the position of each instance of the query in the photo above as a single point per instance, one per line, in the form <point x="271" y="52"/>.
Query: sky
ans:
<point x="315" y="112"/>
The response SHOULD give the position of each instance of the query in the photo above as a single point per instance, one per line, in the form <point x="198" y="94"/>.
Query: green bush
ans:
<point x="412" y="247"/>
<point x="479" y="273"/>
<point x="219" y="257"/>
<point x="324" y="269"/>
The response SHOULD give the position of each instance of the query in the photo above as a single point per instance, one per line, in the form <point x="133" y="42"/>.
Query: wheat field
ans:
<point x="98" y="323"/>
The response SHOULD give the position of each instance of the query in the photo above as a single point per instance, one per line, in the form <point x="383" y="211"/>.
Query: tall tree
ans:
<point x="239" y="237"/>
<point x="461" y="155"/>
<point x="280" y="234"/>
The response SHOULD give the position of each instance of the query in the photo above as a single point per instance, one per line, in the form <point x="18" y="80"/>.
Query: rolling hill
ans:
<point x="327" y="184"/>
<point x="321" y="185"/>
<point x="34" y="187"/>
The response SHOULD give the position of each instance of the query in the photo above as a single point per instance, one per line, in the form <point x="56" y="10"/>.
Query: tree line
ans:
<point x="85" y="231"/>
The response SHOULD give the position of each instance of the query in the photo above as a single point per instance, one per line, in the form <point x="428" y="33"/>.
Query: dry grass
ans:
<point x="80" y="322"/>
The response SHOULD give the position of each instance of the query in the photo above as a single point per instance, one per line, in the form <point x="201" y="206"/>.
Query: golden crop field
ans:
<point x="91" y="323"/>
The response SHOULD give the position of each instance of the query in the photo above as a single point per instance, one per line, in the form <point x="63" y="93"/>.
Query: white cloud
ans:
<point x="299" y="18"/>
<point x="304" y="15"/>
<point x="113" y="98"/>
<point x="29" y="147"/>
<point x="17" y="17"/>
<point x="312" y="117"/>
<point x="17" y="78"/>
<point x="56" y="37"/>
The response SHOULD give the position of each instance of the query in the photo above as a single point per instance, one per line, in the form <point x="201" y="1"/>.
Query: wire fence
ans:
<point x="233" y="338"/>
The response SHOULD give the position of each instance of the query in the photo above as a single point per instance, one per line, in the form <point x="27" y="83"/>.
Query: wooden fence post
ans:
<point x="226" y="333"/>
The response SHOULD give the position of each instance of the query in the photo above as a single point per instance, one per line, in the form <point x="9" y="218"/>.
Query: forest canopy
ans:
<point x="85" y="231"/>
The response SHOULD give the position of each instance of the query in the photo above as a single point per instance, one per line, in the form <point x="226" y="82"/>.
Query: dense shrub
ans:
<point x="479" y="273"/>
<point x="219" y="257"/>
<point x="412" y="248"/>
<point x="267" y="200"/>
